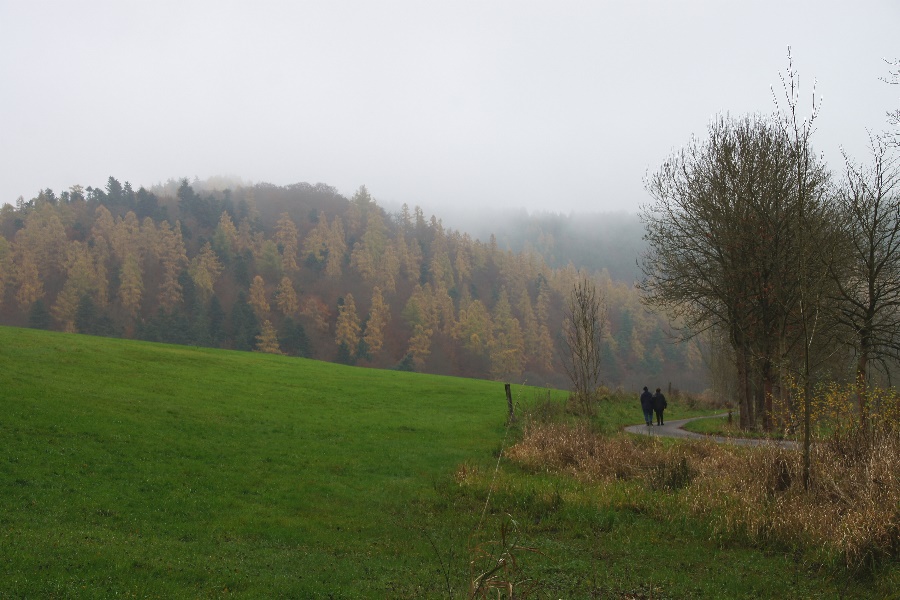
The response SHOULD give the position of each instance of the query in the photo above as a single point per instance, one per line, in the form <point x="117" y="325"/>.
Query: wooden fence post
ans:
<point x="509" y="404"/>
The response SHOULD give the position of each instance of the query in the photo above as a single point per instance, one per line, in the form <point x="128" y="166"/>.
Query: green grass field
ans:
<point x="145" y="470"/>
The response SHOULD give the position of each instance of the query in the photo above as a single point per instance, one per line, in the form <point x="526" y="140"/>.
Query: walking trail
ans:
<point x="675" y="429"/>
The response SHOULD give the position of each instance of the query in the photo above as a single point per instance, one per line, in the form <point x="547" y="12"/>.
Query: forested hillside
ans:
<point x="304" y="271"/>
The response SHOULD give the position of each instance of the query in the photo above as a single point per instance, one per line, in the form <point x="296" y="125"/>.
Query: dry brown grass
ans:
<point x="851" y="510"/>
<point x="585" y="454"/>
<point x="850" y="513"/>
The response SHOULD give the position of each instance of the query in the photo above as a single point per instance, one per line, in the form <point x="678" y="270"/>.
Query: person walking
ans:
<point x="659" y="405"/>
<point x="647" y="406"/>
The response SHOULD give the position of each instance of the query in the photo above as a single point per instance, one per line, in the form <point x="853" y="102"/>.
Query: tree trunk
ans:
<point x="768" y="387"/>
<point x="862" y="365"/>
<point x="745" y="401"/>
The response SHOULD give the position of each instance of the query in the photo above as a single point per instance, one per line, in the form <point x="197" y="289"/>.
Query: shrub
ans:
<point x="850" y="514"/>
<point x="588" y="455"/>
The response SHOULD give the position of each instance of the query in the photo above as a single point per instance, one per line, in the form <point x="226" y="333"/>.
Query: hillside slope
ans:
<point x="167" y="471"/>
<point x="136" y="469"/>
<point x="304" y="271"/>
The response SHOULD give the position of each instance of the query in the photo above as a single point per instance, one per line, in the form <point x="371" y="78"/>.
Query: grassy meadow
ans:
<point x="145" y="470"/>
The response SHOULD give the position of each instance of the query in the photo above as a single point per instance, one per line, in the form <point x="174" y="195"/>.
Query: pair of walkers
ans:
<point x="653" y="403"/>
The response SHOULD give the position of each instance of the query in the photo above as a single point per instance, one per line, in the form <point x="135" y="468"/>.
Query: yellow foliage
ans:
<point x="286" y="236"/>
<point x="379" y="315"/>
<point x="420" y="345"/>
<point x="286" y="298"/>
<point x="258" y="297"/>
<point x="833" y="406"/>
<point x="347" y="328"/>
<point x="267" y="340"/>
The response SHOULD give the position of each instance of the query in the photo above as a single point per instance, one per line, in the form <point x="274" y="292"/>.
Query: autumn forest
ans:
<point x="304" y="271"/>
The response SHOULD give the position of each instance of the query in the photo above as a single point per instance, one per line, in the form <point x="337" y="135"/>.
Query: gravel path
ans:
<point x="674" y="429"/>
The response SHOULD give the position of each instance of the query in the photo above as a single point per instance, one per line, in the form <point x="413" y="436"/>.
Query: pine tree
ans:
<point x="126" y="238"/>
<point x="508" y="347"/>
<point x="359" y="210"/>
<point x="173" y="259"/>
<point x="39" y="317"/>
<point x="317" y="311"/>
<point x="372" y="256"/>
<point x="205" y="269"/>
<point x="420" y="345"/>
<point x="530" y="327"/>
<point x="90" y="320"/>
<point x="406" y="219"/>
<point x="225" y="238"/>
<point x="43" y="240"/>
<point x="286" y="298"/>
<point x="474" y="329"/>
<point x="268" y="260"/>
<point x="440" y="266"/>
<point x="379" y="315"/>
<point x="286" y="237"/>
<point x="244" y="324"/>
<point x="412" y="270"/>
<point x="463" y="262"/>
<point x="103" y="230"/>
<point x="444" y="311"/>
<point x="293" y="338"/>
<point x="315" y="245"/>
<point x="83" y="279"/>
<point x="267" y="340"/>
<point x="131" y="285"/>
<point x="245" y="235"/>
<point x="337" y="248"/>
<point x="149" y="240"/>
<point x="419" y="308"/>
<point x="31" y="288"/>
<point x="258" y="298"/>
<point x="347" y="328"/>
<point x="544" y="349"/>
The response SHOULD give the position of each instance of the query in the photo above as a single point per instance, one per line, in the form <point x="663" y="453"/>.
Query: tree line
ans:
<point x="304" y="271"/>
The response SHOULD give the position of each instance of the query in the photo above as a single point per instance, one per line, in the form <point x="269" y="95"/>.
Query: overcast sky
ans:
<point x="559" y="106"/>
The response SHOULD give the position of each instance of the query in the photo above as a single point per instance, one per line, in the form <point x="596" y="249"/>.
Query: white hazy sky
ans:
<point x="559" y="106"/>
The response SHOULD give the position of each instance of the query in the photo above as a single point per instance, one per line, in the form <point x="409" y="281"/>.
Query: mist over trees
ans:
<point x="594" y="241"/>
<point x="304" y="271"/>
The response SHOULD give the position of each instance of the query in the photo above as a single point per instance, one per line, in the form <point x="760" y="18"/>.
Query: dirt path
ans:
<point x="674" y="429"/>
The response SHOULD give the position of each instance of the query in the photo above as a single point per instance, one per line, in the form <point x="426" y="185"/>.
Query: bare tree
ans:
<point x="722" y="247"/>
<point x="817" y="251"/>
<point x="583" y="329"/>
<point x="893" y="116"/>
<point x="868" y="283"/>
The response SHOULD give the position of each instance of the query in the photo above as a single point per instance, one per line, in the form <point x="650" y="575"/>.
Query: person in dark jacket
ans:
<point x="659" y="405"/>
<point x="647" y="406"/>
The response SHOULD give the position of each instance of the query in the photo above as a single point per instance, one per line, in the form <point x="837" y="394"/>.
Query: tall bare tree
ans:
<point x="702" y="229"/>
<point x="723" y="247"/>
<point x="817" y="251"/>
<point x="868" y="283"/>
<point x="583" y="328"/>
